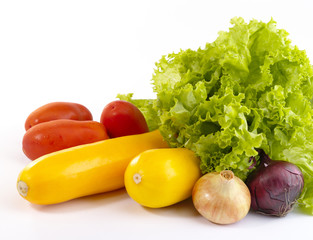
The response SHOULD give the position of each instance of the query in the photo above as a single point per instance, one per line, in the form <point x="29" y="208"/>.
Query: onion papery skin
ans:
<point x="222" y="198"/>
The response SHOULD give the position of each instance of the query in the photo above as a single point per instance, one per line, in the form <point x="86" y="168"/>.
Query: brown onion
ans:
<point x="222" y="197"/>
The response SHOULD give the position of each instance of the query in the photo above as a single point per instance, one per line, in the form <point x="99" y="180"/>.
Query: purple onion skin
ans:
<point x="274" y="186"/>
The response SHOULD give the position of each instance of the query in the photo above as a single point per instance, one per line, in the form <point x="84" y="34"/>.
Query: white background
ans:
<point x="89" y="51"/>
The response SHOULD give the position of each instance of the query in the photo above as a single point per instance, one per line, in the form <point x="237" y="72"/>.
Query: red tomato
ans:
<point x="122" y="118"/>
<point x="58" y="110"/>
<point x="60" y="134"/>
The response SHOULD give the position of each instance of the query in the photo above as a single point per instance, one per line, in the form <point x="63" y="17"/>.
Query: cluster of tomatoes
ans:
<point x="60" y="125"/>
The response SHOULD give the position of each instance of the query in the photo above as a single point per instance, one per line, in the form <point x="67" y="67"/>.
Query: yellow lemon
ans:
<point x="162" y="177"/>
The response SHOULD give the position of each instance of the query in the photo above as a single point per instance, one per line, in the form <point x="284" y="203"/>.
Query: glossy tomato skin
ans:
<point x="60" y="134"/>
<point x="58" y="110"/>
<point x="122" y="118"/>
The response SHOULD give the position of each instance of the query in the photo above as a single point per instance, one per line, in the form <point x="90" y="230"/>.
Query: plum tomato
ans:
<point x="60" y="134"/>
<point x="58" y="110"/>
<point x="122" y="118"/>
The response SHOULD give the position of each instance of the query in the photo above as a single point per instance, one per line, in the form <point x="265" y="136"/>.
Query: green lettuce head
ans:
<point x="248" y="89"/>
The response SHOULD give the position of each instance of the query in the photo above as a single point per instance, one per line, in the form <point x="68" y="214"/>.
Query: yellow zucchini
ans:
<point x="161" y="177"/>
<point x="83" y="170"/>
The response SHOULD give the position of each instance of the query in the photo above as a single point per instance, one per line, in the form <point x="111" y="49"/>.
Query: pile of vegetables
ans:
<point x="231" y="126"/>
<point x="250" y="89"/>
<point x="75" y="156"/>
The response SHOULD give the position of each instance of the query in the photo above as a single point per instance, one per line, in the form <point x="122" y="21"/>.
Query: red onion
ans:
<point x="274" y="186"/>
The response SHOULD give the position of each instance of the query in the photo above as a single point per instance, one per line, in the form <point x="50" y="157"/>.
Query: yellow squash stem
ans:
<point x="83" y="170"/>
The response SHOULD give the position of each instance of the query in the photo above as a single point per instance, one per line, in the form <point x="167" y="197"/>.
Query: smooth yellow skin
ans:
<point x="162" y="177"/>
<point x="83" y="170"/>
